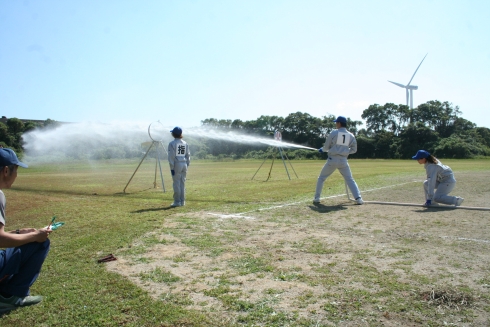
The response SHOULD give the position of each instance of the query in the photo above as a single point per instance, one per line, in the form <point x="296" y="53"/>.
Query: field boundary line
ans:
<point x="240" y="215"/>
<point x="465" y="239"/>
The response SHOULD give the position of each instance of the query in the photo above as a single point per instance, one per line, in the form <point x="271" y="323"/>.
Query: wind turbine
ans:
<point x="410" y="87"/>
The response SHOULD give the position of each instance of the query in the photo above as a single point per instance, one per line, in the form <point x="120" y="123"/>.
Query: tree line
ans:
<point x="12" y="129"/>
<point x="396" y="131"/>
<point x="390" y="131"/>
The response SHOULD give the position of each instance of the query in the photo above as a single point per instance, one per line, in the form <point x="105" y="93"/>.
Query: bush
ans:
<point x="460" y="147"/>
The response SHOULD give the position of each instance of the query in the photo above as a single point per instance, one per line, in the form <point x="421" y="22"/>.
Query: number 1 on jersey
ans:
<point x="343" y="139"/>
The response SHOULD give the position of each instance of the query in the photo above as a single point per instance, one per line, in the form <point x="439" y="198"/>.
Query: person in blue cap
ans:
<point x="179" y="159"/>
<point x="440" y="180"/>
<point x="339" y="144"/>
<point x="24" y="249"/>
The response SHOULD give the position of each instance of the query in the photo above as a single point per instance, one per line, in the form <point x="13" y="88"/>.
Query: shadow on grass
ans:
<point x="435" y="209"/>
<point x="318" y="207"/>
<point x="80" y="193"/>
<point x="153" y="209"/>
<point x="135" y="192"/>
<point x="6" y="312"/>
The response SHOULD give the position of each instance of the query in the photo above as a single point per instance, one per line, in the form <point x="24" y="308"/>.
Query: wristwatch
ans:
<point x="17" y="231"/>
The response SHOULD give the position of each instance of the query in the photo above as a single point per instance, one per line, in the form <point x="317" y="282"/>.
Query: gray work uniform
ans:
<point x="440" y="182"/>
<point x="179" y="159"/>
<point x="339" y="144"/>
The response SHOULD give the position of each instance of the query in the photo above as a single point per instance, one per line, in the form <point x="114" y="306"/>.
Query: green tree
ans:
<point x="15" y="126"/>
<point x="484" y="135"/>
<point x="302" y="128"/>
<point x="439" y="116"/>
<point x="390" y="117"/>
<point x="29" y="126"/>
<point x="5" y="136"/>
<point x="376" y="118"/>
<point x="415" y="137"/>
<point x="50" y="123"/>
<point x="237" y="124"/>
<point x="461" y="147"/>
<point x="383" y="145"/>
<point x="366" y="147"/>
<point x="460" y="125"/>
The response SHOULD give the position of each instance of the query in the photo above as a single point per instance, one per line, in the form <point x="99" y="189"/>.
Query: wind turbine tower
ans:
<point x="409" y="87"/>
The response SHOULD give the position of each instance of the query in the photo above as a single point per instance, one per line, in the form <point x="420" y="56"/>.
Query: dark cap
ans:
<point x="340" y="119"/>
<point x="8" y="158"/>
<point x="421" y="154"/>
<point x="177" y="131"/>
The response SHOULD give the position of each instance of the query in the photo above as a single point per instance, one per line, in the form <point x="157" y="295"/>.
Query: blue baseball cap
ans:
<point x="8" y="158"/>
<point x="340" y="119"/>
<point x="176" y="131"/>
<point x="421" y="154"/>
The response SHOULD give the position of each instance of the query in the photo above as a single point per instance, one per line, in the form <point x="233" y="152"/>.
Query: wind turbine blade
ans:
<point x="400" y="85"/>
<point x="407" y="97"/>
<point x="417" y="69"/>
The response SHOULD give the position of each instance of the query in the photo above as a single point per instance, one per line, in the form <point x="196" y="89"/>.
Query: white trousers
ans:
<point x="441" y="193"/>
<point x="179" y="178"/>
<point x="330" y="166"/>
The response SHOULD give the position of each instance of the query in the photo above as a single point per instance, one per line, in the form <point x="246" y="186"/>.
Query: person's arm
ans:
<point x="329" y="141"/>
<point x="26" y="235"/>
<point x="22" y="230"/>
<point x="171" y="156"/>
<point x="431" y="170"/>
<point x="353" y="145"/>
<point x="187" y="155"/>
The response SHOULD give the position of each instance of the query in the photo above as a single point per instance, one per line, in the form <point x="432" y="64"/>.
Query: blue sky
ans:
<point x="181" y="62"/>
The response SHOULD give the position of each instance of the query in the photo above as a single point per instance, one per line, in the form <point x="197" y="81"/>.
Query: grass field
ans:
<point x="246" y="252"/>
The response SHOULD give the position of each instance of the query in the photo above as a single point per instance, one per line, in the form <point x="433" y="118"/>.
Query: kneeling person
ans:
<point x="440" y="180"/>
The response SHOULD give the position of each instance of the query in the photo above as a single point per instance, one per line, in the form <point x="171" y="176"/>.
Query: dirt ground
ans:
<point x="331" y="264"/>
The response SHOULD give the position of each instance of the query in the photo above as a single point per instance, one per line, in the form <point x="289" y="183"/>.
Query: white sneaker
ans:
<point x="458" y="201"/>
<point x="316" y="201"/>
<point x="359" y="200"/>
<point x="175" y="204"/>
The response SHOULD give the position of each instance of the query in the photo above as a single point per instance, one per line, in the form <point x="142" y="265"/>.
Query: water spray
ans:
<point x="242" y="138"/>
<point x="85" y="139"/>
<point x="278" y="147"/>
<point x="156" y="134"/>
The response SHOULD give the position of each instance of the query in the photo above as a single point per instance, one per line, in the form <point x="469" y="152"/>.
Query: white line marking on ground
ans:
<point x="466" y="239"/>
<point x="240" y="215"/>
<point x="230" y="216"/>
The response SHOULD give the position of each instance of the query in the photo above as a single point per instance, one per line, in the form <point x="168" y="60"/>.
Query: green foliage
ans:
<point x="460" y="147"/>
<point x="5" y="136"/>
<point x="415" y="137"/>
<point x="392" y="132"/>
<point x="11" y="133"/>
<point x="15" y="126"/>
<point x="482" y="134"/>
<point x="398" y="132"/>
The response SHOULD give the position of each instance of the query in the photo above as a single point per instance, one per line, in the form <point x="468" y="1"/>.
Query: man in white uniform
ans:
<point x="339" y="144"/>
<point x="179" y="159"/>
